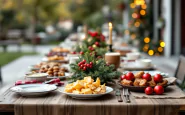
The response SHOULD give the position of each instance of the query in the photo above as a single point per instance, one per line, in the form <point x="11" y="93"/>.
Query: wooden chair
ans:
<point x="180" y="72"/>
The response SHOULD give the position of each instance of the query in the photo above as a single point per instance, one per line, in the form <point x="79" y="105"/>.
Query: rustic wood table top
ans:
<point x="57" y="103"/>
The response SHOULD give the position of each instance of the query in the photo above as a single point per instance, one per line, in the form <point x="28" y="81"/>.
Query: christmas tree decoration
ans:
<point x="89" y="65"/>
<point x="140" y="31"/>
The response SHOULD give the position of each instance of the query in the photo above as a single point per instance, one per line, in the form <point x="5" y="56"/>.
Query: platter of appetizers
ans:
<point x="86" y="89"/>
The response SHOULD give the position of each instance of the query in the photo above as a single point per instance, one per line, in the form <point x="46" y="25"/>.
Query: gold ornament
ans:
<point x="94" y="46"/>
<point x="90" y="39"/>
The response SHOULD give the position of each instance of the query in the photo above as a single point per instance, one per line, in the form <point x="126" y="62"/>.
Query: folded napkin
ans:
<point x="171" y="91"/>
<point x="55" y="81"/>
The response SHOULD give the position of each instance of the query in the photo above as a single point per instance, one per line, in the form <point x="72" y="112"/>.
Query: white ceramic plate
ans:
<point x="86" y="96"/>
<point x="33" y="89"/>
<point x="134" y="66"/>
<point x="45" y="59"/>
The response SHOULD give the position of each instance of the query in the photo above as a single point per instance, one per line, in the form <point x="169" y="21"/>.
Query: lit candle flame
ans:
<point x="110" y="25"/>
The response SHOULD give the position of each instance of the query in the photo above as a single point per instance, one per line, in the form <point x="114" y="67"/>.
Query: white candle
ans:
<point x="110" y="33"/>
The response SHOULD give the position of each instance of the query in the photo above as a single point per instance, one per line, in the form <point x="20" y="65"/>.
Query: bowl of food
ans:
<point x="41" y="77"/>
<point x="133" y="55"/>
<point x="143" y="62"/>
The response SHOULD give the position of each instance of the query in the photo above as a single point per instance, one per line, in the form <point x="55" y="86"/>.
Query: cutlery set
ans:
<point x="125" y="95"/>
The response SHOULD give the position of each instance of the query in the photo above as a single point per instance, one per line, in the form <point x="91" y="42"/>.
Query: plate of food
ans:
<point x="33" y="89"/>
<point x="86" y="89"/>
<point x="55" y="58"/>
<point x="66" y="75"/>
<point x="140" y="80"/>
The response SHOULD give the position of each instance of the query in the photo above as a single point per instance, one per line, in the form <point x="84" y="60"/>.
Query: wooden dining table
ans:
<point x="57" y="103"/>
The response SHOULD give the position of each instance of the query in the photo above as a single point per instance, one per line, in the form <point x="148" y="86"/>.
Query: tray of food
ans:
<point x="141" y="80"/>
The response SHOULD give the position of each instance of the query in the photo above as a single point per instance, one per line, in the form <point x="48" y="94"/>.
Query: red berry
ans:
<point x="89" y="47"/>
<point x="73" y="52"/>
<point x="158" y="89"/>
<point x="84" y="68"/>
<point x="92" y="49"/>
<point x="84" y="61"/>
<point x="86" y="65"/>
<point x="79" y="64"/>
<point x="149" y="90"/>
<point x="90" y="66"/>
<point x="97" y="44"/>
<point x="91" y="63"/>
<point x="81" y="52"/>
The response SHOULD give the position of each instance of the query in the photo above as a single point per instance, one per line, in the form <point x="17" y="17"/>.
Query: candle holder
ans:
<point x="110" y="48"/>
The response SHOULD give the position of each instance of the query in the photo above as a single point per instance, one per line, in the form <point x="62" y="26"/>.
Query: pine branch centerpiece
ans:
<point x="89" y="65"/>
<point x="95" y="42"/>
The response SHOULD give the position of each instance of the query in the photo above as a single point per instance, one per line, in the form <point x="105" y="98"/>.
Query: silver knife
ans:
<point x="126" y="95"/>
<point x="118" y="95"/>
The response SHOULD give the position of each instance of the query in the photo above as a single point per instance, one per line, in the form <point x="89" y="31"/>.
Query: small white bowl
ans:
<point x="133" y="55"/>
<point x="37" y="76"/>
<point x="143" y="62"/>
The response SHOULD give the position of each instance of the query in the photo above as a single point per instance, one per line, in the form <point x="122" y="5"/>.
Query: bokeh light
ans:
<point x="139" y="2"/>
<point x="144" y="6"/>
<point x="142" y="12"/>
<point x="137" y="24"/>
<point x="147" y="40"/>
<point x="162" y="44"/>
<point x="146" y="47"/>
<point x="132" y="5"/>
<point x="134" y="15"/>
<point x="151" y="52"/>
<point x="160" y="49"/>
<point x="133" y="36"/>
<point x="127" y="32"/>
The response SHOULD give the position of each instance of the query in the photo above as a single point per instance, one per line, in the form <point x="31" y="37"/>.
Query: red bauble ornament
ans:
<point x="149" y="90"/>
<point x="147" y="76"/>
<point x="158" y="78"/>
<point x="130" y="76"/>
<point x="158" y="90"/>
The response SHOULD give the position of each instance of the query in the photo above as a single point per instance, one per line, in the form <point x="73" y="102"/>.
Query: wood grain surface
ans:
<point x="57" y="103"/>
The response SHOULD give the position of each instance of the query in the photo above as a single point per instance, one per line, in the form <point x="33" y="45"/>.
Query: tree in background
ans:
<point x="140" y="28"/>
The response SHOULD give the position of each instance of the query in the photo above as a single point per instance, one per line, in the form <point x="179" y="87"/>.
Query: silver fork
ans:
<point x="126" y="95"/>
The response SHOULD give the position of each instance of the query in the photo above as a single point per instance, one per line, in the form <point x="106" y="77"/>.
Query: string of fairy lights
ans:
<point x="136" y="15"/>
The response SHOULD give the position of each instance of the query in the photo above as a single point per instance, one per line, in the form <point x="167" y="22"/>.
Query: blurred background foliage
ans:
<point x="21" y="13"/>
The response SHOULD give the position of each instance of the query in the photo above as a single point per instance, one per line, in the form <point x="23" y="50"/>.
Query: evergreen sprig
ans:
<point x="95" y="40"/>
<point x="99" y="69"/>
